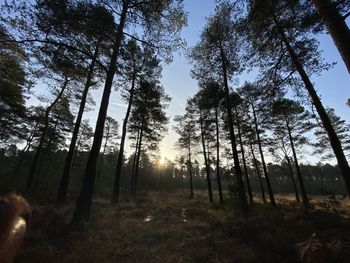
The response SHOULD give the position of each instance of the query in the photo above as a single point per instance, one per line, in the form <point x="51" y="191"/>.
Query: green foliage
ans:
<point x="289" y="114"/>
<point x="84" y="19"/>
<point x="12" y="85"/>
<point x="218" y="40"/>
<point x="148" y="112"/>
<point x="186" y="128"/>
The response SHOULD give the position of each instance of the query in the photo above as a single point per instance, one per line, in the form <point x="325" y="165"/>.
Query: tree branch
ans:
<point x="141" y="40"/>
<point x="346" y="15"/>
<point x="53" y="43"/>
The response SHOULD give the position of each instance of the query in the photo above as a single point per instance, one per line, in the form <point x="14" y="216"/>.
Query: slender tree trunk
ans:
<point x="190" y="168"/>
<point x="137" y="166"/>
<point x="267" y="178"/>
<point x="75" y="154"/>
<point x="238" y="170"/>
<point x="134" y="162"/>
<point x="243" y="159"/>
<point x="218" y="156"/>
<point x="258" y="173"/>
<point x="300" y="177"/>
<point x="26" y="149"/>
<point x="83" y="204"/>
<point x="64" y="182"/>
<point x="289" y="163"/>
<point x="116" y="188"/>
<point x="34" y="166"/>
<point x="207" y="168"/>
<point x="337" y="28"/>
<point x="182" y="179"/>
<point x="293" y="179"/>
<point x="326" y="122"/>
<point x="103" y="155"/>
<point x="46" y="151"/>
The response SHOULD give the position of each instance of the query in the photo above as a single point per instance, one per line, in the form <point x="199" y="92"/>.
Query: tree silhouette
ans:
<point x="186" y="129"/>
<point x="275" y="33"/>
<point x="137" y="63"/>
<point x="216" y="54"/>
<point x="148" y="120"/>
<point x="293" y="116"/>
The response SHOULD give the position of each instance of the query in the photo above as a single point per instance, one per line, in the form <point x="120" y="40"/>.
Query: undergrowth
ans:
<point x="164" y="227"/>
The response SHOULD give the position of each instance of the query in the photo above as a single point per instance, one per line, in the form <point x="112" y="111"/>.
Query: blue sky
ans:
<point x="333" y="86"/>
<point x="176" y="76"/>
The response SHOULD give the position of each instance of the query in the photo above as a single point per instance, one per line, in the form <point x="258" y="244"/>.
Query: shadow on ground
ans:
<point x="164" y="227"/>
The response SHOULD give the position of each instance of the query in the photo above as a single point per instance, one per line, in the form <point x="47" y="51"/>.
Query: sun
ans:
<point x="161" y="161"/>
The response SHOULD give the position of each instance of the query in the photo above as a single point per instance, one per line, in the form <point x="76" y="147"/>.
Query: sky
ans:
<point x="176" y="78"/>
<point x="333" y="86"/>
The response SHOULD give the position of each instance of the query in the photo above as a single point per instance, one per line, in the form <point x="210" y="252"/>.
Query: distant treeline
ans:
<point x="320" y="179"/>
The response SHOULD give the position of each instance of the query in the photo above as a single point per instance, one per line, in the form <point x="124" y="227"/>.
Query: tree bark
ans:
<point x="258" y="173"/>
<point x="291" y="175"/>
<point x="190" y="168"/>
<point x="134" y="162"/>
<point x="83" y="204"/>
<point x="137" y="165"/>
<point x="337" y="28"/>
<point x="75" y="153"/>
<point x="34" y="166"/>
<point x="207" y="168"/>
<point x="64" y="182"/>
<point x="116" y="188"/>
<point x="326" y="122"/>
<point x="103" y="155"/>
<point x="300" y="177"/>
<point x="218" y="156"/>
<point x="26" y="148"/>
<point x="243" y="159"/>
<point x="267" y="178"/>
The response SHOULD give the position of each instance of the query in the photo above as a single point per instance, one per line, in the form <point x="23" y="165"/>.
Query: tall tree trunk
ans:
<point x="137" y="165"/>
<point x="134" y="162"/>
<point x="207" y="168"/>
<point x="116" y="187"/>
<point x="46" y="151"/>
<point x="326" y="122"/>
<point x="218" y="156"/>
<point x="83" y="204"/>
<point x="267" y="178"/>
<point x="34" y="166"/>
<point x="75" y="153"/>
<point x="337" y="28"/>
<point x="64" y="182"/>
<point x="289" y="163"/>
<point x="243" y="158"/>
<point x="293" y="179"/>
<point x="300" y="177"/>
<point x="103" y="155"/>
<point x="182" y="179"/>
<point x="26" y="149"/>
<point x="238" y="170"/>
<point x="190" y="168"/>
<point x="258" y="173"/>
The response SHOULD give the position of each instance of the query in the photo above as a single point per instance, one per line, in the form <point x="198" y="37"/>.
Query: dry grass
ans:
<point x="163" y="227"/>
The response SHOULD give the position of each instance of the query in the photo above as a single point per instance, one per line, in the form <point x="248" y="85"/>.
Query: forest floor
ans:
<point x="170" y="227"/>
